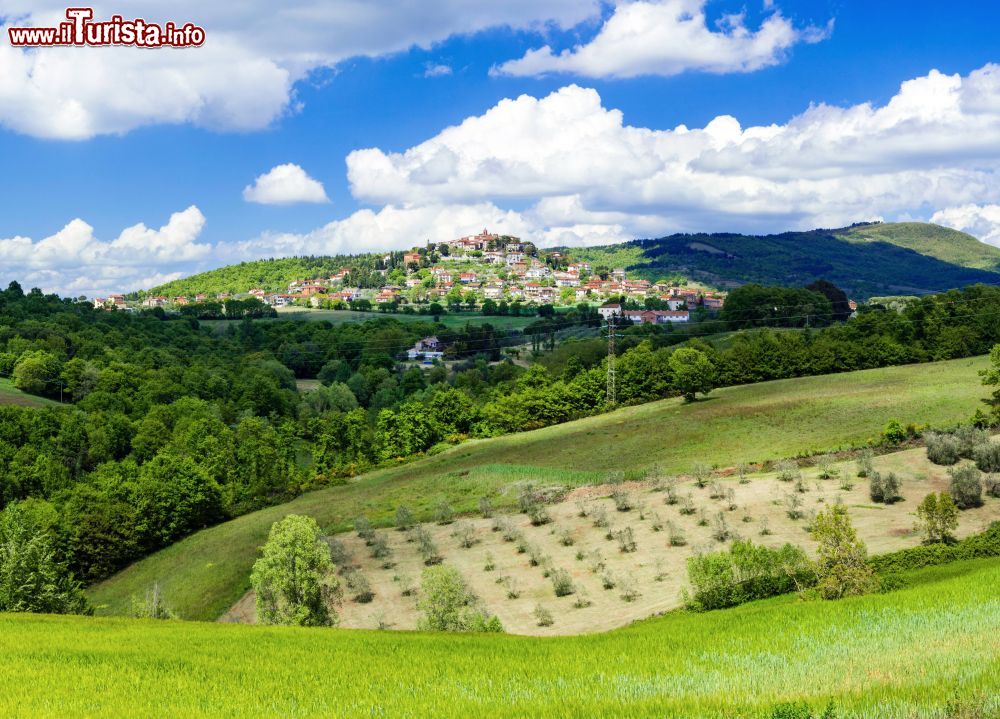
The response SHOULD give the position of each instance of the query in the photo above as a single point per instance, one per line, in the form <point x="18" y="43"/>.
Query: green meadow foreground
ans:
<point x="903" y="654"/>
<point x="205" y="574"/>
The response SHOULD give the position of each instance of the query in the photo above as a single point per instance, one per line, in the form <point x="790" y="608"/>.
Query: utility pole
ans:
<point x="612" y="389"/>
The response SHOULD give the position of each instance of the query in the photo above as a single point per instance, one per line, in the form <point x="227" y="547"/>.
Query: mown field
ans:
<point x="656" y="571"/>
<point x="908" y="653"/>
<point x="9" y="394"/>
<point x="206" y="573"/>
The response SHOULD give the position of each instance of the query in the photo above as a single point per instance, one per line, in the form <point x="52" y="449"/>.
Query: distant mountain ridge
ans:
<point x="865" y="259"/>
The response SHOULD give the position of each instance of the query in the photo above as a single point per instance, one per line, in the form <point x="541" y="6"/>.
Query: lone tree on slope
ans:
<point x="294" y="578"/>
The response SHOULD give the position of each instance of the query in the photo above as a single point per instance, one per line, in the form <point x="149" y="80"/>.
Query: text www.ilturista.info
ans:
<point x="81" y="30"/>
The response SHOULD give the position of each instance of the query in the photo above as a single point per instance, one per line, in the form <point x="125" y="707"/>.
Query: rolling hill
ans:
<point x="865" y="260"/>
<point x="942" y="243"/>
<point x="206" y="573"/>
<point x="273" y="275"/>
<point x="654" y="575"/>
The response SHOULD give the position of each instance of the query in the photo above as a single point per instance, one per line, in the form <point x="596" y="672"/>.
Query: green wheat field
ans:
<point x="931" y="649"/>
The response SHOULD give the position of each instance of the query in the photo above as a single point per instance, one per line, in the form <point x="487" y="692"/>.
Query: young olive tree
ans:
<point x="966" y="487"/>
<point x="449" y="606"/>
<point x="152" y="606"/>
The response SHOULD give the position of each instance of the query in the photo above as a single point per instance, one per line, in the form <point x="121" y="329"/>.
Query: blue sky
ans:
<point x="124" y="165"/>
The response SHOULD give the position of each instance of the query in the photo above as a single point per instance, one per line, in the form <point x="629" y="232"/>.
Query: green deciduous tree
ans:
<point x="449" y="606"/>
<point x="294" y="578"/>
<point x="32" y="579"/>
<point x="842" y="566"/>
<point x="38" y="372"/>
<point x="693" y="372"/>
<point x="174" y="497"/>
<point x="937" y="517"/>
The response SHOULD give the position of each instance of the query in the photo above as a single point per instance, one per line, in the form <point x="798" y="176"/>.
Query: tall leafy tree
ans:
<point x="693" y="372"/>
<point x="838" y="298"/>
<point x="294" y="578"/>
<point x="937" y="517"/>
<point x="38" y="372"/>
<point x="32" y="578"/>
<point x="842" y="567"/>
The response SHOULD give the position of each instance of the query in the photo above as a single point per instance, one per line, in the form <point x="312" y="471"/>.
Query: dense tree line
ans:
<point x="230" y="309"/>
<point x="169" y="426"/>
<point x="752" y="306"/>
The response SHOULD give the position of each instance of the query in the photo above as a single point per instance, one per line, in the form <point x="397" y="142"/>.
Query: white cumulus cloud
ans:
<point x="935" y="144"/>
<point x="982" y="221"/>
<point x="243" y="77"/>
<point x="391" y="227"/>
<point x="74" y="261"/>
<point x="437" y="70"/>
<point x="396" y="227"/>
<point x="669" y="37"/>
<point x="285" y="185"/>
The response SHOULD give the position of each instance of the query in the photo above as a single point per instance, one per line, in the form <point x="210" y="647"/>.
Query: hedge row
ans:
<point x="985" y="544"/>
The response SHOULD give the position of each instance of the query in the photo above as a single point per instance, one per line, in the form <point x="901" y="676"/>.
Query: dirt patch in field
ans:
<point x="597" y="491"/>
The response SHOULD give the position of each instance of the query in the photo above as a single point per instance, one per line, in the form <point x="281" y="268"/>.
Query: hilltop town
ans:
<point x="487" y="271"/>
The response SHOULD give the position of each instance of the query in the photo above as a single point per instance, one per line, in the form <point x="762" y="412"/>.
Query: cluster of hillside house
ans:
<point x="472" y="269"/>
<point x="487" y="266"/>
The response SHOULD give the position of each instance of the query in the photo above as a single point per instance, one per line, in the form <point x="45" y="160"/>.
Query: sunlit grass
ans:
<point x="902" y="654"/>
<point x="9" y="394"/>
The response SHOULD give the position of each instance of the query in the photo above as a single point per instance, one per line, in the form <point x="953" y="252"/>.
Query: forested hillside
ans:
<point x="865" y="260"/>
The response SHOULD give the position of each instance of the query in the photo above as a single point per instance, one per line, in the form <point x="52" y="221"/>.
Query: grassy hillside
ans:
<point x="901" y="258"/>
<point x="270" y="274"/>
<point x="907" y="653"/>
<point x="943" y="243"/>
<point x="206" y="573"/>
<point x="9" y="394"/>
